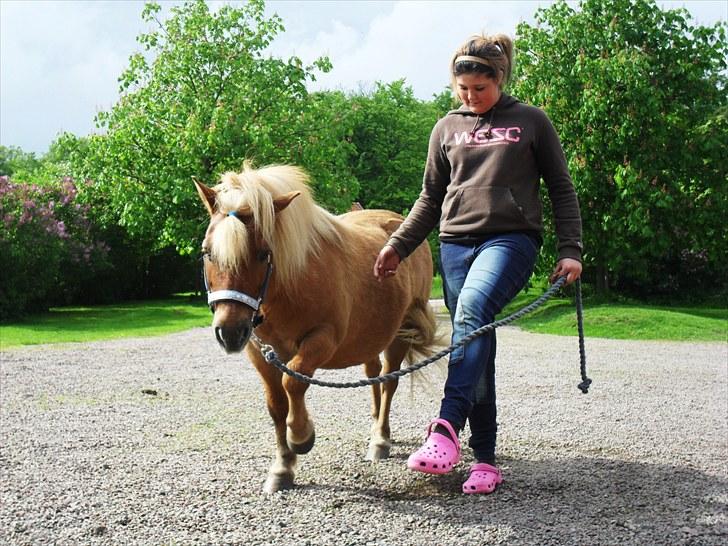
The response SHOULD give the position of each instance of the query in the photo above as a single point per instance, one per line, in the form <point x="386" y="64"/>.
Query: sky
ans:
<point x="60" y="59"/>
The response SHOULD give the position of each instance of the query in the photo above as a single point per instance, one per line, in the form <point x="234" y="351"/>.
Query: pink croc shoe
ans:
<point x="439" y="454"/>
<point x="483" y="479"/>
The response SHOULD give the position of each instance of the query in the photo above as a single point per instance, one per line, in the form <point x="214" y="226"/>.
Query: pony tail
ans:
<point x="419" y="330"/>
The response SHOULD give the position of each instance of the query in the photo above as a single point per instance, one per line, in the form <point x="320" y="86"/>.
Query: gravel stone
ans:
<point x="89" y="455"/>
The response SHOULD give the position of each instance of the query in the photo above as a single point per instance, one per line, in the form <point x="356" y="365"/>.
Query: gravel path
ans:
<point x="167" y="441"/>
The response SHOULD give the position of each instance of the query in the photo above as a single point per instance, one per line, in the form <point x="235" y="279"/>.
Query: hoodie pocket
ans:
<point x="479" y="206"/>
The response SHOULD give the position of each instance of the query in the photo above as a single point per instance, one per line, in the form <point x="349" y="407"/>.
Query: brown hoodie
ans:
<point x="477" y="184"/>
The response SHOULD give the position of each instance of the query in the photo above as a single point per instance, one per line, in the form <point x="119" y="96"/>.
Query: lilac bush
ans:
<point x="47" y="247"/>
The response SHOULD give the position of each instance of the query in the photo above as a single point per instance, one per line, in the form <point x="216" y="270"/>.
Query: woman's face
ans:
<point x="477" y="91"/>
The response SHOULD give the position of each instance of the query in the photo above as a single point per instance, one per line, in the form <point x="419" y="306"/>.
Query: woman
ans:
<point x="481" y="182"/>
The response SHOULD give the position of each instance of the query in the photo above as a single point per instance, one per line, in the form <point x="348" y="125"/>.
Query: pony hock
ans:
<point x="277" y="262"/>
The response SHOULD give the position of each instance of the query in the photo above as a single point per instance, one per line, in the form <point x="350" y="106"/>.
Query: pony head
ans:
<point x="260" y="221"/>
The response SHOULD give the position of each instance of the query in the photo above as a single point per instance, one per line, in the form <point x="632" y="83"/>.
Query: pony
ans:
<point x="278" y="263"/>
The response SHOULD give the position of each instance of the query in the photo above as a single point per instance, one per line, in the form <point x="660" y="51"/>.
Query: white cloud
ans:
<point x="60" y="60"/>
<point x="413" y="40"/>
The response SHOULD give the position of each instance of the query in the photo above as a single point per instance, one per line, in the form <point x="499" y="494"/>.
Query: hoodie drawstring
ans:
<point x="488" y="133"/>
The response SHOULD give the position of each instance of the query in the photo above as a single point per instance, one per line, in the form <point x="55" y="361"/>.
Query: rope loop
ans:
<point x="271" y="357"/>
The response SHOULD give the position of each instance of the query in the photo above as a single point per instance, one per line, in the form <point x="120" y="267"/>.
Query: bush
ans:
<point x="47" y="250"/>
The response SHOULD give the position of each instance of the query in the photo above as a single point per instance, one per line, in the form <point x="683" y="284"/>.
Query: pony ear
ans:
<point x="279" y="203"/>
<point x="207" y="195"/>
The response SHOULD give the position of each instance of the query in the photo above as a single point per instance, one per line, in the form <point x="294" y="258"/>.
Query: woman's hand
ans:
<point x="569" y="267"/>
<point x="386" y="263"/>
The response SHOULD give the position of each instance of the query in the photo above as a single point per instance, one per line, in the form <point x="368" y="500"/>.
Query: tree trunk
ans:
<point x="602" y="279"/>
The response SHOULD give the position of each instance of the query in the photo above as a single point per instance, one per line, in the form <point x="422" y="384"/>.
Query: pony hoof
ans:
<point x="275" y="483"/>
<point x="377" y="452"/>
<point x="303" y="447"/>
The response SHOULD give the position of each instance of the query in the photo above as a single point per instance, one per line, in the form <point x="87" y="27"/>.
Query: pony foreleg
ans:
<point x="317" y="347"/>
<point x="300" y="432"/>
<point x="282" y="471"/>
<point x="380" y="442"/>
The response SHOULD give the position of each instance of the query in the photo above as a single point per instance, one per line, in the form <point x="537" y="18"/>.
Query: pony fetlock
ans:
<point x="301" y="448"/>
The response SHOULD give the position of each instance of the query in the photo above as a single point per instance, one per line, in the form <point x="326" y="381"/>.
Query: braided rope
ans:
<point x="585" y="381"/>
<point x="271" y="357"/>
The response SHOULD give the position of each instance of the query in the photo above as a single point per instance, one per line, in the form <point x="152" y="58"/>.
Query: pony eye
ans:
<point x="262" y="255"/>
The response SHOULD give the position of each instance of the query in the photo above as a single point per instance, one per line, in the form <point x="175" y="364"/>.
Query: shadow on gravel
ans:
<point x="581" y="500"/>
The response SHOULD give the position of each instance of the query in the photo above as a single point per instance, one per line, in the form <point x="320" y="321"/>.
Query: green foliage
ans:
<point x="16" y="163"/>
<point x="203" y="98"/>
<point x="63" y="153"/>
<point x="638" y="96"/>
<point x="391" y="132"/>
<point x="47" y="170"/>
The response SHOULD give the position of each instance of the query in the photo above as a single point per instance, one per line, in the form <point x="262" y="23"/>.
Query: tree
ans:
<point x="638" y="96"/>
<point x="390" y="136"/>
<point x="391" y="131"/>
<point x="14" y="162"/>
<point x="204" y="98"/>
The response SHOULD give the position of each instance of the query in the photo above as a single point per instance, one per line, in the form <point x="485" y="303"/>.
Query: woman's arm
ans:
<point x="565" y="203"/>
<point x="425" y="212"/>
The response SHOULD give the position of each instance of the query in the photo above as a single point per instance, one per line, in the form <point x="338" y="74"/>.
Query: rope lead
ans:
<point x="585" y="381"/>
<point x="271" y="357"/>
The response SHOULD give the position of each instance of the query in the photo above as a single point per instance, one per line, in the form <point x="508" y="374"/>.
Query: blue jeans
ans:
<point x="479" y="280"/>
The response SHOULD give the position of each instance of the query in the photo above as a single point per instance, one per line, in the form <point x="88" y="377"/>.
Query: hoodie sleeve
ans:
<point x="555" y="173"/>
<point x="425" y="212"/>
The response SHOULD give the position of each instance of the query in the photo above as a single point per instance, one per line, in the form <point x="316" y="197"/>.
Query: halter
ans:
<point x="241" y="297"/>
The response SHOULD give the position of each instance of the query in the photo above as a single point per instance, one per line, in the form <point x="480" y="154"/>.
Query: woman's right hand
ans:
<point x="386" y="263"/>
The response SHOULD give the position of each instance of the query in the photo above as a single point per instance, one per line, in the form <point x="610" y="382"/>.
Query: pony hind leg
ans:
<point x="372" y="369"/>
<point x="281" y="473"/>
<point x="380" y="442"/>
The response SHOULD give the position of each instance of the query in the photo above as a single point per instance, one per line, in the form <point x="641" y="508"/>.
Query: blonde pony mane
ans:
<point x="293" y="234"/>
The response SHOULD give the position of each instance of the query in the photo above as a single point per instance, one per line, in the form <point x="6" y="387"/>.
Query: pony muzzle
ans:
<point x="233" y="338"/>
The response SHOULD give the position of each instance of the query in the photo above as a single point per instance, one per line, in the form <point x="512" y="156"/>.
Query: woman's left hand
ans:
<point x="569" y="267"/>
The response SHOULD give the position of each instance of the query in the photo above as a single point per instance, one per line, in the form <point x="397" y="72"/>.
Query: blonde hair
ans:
<point x="489" y="55"/>
<point x="292" y="236"/>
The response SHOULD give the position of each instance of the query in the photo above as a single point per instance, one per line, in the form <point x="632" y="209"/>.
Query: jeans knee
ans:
<point x="474" y="309"/>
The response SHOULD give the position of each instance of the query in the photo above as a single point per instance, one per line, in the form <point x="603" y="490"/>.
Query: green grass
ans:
<point x="151" y="318"/>
<point x="620" y="320"/>
<point x="436" y="291"/>
<point x="631" y="322"/>
<point x="130" y="319"/>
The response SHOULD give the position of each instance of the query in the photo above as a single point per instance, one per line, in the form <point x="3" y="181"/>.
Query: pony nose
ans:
<point x="233" y="338"/>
